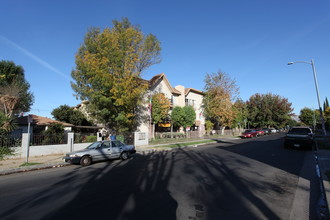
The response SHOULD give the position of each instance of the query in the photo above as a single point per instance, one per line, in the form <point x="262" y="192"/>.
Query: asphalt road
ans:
<point x="232" y="179"/>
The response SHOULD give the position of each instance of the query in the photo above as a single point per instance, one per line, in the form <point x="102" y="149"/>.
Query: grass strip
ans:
<point x="28" y="164"/>
<point x="185" y="144"/>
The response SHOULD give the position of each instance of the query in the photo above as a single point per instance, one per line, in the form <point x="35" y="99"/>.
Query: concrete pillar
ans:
<point x="25" y="145"/>
<point x="70" y="141"/>
<point x="99" y="136"/>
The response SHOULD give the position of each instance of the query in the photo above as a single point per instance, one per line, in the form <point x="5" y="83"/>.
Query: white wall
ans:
<point x="20" y="152"/>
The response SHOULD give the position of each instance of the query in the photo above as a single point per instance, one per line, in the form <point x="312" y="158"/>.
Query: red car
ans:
<point x="260" y="132"/>
<point x="249" y="134"/>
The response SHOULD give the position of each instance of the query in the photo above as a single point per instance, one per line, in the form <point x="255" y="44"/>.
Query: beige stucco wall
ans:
<point x="198" y="101"/>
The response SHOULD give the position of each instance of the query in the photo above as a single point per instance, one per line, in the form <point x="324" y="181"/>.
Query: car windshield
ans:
<point x="94" y="145"/>
<point x="247" y="131"/>
<point x="305" y="131"/>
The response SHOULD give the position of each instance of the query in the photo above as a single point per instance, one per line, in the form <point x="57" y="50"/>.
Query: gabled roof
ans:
<point x="187" y="90"/>
<point x="41" y="121"/>
<point x="154" y="80"/>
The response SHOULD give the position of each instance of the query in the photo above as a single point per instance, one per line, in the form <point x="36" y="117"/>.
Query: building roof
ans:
<point x="41" y="121"/>
<point x="187" y="90"/>
<point x="157" y="78"/>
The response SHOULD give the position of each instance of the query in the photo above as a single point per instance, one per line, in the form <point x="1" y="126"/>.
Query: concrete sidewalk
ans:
<point x="324" y="166"/>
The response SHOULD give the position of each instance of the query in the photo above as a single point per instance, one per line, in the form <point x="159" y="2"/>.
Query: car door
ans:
<point x="104" y="151"/>
<point x="116" y="148"/>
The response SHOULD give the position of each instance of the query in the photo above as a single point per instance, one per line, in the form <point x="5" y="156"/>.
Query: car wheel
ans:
<point x="124" y="155"/>
<point x="85" y="161"/>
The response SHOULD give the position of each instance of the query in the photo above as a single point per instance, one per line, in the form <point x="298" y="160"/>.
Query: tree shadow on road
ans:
<point x="132" y="189"/>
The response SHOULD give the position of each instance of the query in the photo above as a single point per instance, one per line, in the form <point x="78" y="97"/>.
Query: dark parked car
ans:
<point x="249" y="134"/>
<point x="266" y="130"/>
<point x="299" y="137"/>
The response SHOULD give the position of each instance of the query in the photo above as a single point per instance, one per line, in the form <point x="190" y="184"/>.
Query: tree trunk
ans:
<point x="153" y="131"/>
<point x="222" y="129"/>
<point x="171" y="130"/>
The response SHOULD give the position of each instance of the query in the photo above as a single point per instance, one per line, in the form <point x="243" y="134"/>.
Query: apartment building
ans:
<point x="178" y="96"/>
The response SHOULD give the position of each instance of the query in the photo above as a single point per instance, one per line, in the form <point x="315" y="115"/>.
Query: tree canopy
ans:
<point x="308" y="116"/>
<point x="268" y="110"/>
<point x="241" y="113"/>
<point x="220" y="92"/>
<point x="64" y="113"/>
<point x="14" y="89"/>
<point x="160" y="107"/>
<point x="108" y="72"/>
<point x="183" y="116"/>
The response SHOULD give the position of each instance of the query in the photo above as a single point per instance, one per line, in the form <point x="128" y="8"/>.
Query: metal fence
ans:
<point x="10" y="139"/>
<point x="177" y="135"/>
<point x="84" y="137"/>
<point x="41" y="139"/>
<point x="7" y="141"/>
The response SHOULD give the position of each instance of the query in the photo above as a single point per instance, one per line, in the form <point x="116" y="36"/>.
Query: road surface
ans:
<point x="232" y="179"/>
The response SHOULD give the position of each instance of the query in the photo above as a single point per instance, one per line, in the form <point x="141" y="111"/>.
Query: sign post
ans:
<point x="29" y="118"/>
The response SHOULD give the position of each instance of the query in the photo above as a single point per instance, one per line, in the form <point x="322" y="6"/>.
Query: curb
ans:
<point x="33" y="168"/>
<point x="324" y="184"/>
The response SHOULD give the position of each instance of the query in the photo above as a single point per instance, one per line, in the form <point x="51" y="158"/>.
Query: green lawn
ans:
<point x="28" y="164"/>
<point x="185" y="144"/>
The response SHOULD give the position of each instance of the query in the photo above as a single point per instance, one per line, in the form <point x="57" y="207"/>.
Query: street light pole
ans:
<point x="317" y="90"/>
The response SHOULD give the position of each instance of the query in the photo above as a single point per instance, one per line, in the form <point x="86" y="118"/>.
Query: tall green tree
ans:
<point x="268" y="110"/>
<point x="14" y="89"/>
<point x="189" y="116"/>
<point x="220" y="92"/>
<point x="108" y="72"/>
<point x="308" y="116"/>
<point x="177" y="116"/>
<point x="183" y="116"/>
<point x="241" y="113"/>
<point x="65" y="113"/>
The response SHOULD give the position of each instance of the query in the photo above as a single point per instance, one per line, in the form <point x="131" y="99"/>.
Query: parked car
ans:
<point x="299" y="137"/>
<point x="260" y="132"/>
<point x="100" y="151"/>
<point x="273" y="130"/>
<point x="249" y="133"/>
<point x="266" y="130"/>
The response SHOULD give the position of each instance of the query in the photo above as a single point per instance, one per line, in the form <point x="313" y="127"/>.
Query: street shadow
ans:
<point x="271" y="152"/>
<point x="222" y="191"/>
<point x="131" y="189"/>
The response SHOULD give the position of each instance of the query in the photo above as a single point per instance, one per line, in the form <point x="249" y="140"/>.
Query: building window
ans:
<point x="141" y="136"/>
<point x="190" y="102"/>
<point x="171" y="100"/>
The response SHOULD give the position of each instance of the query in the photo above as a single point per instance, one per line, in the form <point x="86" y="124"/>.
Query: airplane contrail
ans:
<point x="34" y="57"/>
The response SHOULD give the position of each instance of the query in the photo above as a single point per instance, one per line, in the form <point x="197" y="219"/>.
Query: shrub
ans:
<point x="91" y="139"/>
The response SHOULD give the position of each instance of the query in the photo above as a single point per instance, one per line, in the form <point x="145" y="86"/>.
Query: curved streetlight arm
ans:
<point x="316" y="87"/>
<point x="310" y="63"/>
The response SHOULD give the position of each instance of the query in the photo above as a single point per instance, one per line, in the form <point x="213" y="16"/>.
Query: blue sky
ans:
<point x="252" y="41"/>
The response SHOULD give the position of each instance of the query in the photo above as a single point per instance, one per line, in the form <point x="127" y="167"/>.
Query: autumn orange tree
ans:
<point x="160" y="109"/>
<point x="220" y="92"/>
<point x="108" y="72"/>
